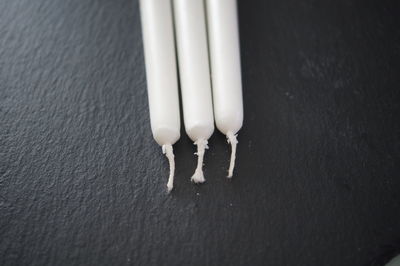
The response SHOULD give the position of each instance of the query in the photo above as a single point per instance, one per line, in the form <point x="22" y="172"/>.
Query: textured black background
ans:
<point x="317" y="180"/>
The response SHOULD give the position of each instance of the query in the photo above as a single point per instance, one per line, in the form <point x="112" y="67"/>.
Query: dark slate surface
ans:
<point x="317" y="181"/>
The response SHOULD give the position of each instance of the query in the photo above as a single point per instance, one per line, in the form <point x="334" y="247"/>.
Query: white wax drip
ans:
<point x="198" y="176"/>
<point x="231" y="138"/>
<point x="168" y="151"/>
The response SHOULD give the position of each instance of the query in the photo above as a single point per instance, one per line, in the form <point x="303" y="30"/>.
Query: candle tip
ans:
<point x="168" y="151"/>
<point x="169" y="187"/>
<point x="231" y="138"/>
<point x="198" y="176"/>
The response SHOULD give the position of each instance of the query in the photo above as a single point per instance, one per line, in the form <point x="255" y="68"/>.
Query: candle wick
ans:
<point x="168" y="151"/>
<point x="198" y="176"/>
<point x="231" y="138"/>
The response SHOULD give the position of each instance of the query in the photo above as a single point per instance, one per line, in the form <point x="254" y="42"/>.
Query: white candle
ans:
<point x="194" y="73"/>
<point x="225" y="69"/>
<point x="161" y="73"/>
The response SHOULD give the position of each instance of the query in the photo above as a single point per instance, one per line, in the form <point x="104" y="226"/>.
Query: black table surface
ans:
<point x="82" y="182"/>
